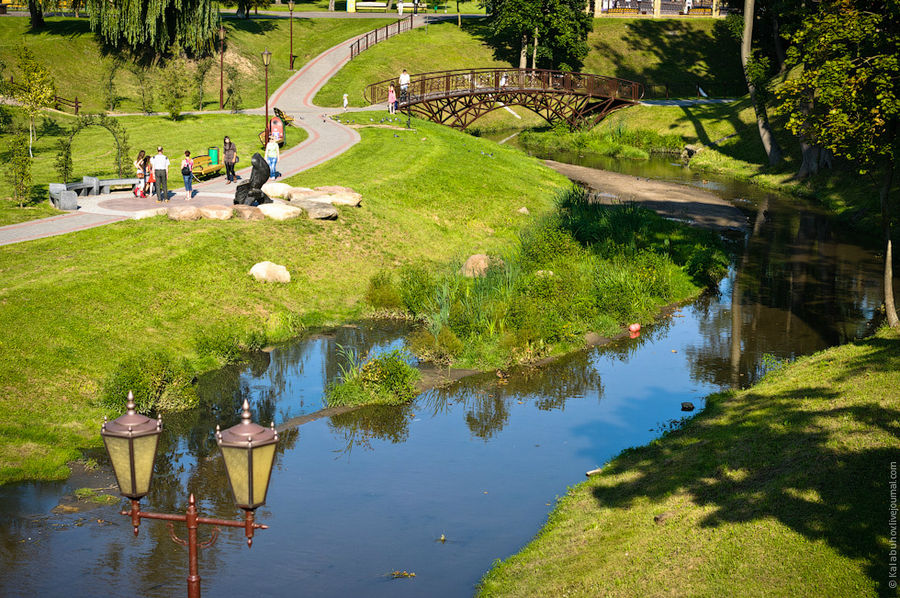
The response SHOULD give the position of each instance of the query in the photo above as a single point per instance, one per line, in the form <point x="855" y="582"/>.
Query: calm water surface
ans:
<point x="357" y="496"/>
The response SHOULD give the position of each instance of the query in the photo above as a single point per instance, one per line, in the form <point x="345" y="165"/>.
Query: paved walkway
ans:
<point x="326" y="140"/>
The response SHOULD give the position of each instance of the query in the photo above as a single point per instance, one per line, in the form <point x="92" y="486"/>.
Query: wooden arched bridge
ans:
<point x="458" y="98"/>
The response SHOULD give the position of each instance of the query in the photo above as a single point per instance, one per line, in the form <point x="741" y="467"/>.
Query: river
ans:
<point x="357" y="496"/>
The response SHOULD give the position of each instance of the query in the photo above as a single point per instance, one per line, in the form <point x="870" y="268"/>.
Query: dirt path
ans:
<point x="670" y="200"/>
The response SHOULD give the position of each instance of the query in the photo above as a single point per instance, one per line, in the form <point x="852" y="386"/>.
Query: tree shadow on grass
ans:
<point x="811" y="458"/>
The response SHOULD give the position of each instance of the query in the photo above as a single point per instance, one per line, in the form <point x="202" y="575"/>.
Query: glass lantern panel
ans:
<point x="144" y="454"/>
<point x="262" y="467"/>
<point x="236" y="466"/>
<point x="119" y="454"/>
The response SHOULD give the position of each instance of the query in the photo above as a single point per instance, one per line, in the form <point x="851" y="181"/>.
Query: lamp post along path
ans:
<point x="249" y="453"/>
<point x="291" y="9"/>
<point x="267" y="58"/>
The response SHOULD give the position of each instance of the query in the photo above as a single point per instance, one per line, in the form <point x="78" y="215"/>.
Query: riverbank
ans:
<point x="780" y="489"/>
<point x="96" y="297"/>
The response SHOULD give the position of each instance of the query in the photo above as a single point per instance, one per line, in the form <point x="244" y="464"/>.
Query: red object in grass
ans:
<point x="634" y="334"/>
<point x="634" y="327"/>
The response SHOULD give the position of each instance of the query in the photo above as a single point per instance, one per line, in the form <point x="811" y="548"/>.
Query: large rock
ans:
<point x="346" y="199"/>
<point x="280" y="211"/>
<point x="477" y="265"/>
<point x="302" y="193"/>
<point x="248" y="212"/>
<point x="149" y="213"/>
<point x="317" y="211"/>
<point x="216" y="212"/>
<point x="184" y="213"/>
<point x="269" y="272"/>
<point x="279" y="190"/>
<point x="335" y="189"/>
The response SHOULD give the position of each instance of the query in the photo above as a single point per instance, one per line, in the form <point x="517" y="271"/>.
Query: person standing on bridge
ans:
<point x="161" y="173"/>
<point x="404" y="86"/>
<point x="392" y="99"/>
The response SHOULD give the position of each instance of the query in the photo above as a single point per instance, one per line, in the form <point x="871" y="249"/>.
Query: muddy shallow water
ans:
<point x="358" y="495"/>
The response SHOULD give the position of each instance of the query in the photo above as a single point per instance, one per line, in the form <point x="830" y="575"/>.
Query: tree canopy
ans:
<point x="153" y="26"/>
<point x="555" y="30"/>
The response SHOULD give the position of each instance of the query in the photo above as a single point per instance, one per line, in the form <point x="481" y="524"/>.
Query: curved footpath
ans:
<point x="326" y="140"/>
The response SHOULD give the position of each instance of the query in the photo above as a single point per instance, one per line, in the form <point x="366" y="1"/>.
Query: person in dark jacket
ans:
<point x="230" y="157"/>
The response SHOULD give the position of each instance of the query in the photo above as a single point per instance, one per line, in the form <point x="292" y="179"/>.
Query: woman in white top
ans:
<point x="272" y="155"/>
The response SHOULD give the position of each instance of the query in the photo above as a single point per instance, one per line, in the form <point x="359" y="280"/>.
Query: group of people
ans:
<point x="403" y="80"/>
<point x="153" y="171"/>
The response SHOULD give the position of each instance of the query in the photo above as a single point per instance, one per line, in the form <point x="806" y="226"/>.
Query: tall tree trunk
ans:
<point x="330" y="5"/>
<point x="890" y="309"/>
<point x="523" y="53"/>
<point x="534" y="52"/>
<point x="773" y="150"/>
<point x="36" y="10"/>
<point x="778" y="43"/>
<point x="31" y="136"/>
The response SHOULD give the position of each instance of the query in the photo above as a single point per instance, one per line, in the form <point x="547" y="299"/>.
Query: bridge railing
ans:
<point x="425" y="86"/>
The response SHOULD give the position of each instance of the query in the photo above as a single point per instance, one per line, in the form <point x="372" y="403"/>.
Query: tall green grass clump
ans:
<point x="621" y="142"/>
<point x="586" y="268"/>
<point x="159" y="382"/>
<point x="387" y="379"/>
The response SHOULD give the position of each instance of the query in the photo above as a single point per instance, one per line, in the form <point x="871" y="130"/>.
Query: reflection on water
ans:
<point x="357" y="495"/>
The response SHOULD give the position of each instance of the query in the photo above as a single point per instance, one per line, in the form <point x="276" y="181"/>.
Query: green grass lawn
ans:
<point x="659" y="51"/>
<point x="74" y="306"/>
<point x="443" y="46"/>
<point x="778" y="490"/>
<point x="93" y="150"/>
<point x="68" y="48"/>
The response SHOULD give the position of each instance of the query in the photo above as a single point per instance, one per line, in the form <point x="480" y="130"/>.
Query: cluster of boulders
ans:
<point x="290" y="202"/>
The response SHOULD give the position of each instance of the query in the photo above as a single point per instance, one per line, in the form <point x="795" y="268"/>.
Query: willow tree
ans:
<point x="152" y="26"/>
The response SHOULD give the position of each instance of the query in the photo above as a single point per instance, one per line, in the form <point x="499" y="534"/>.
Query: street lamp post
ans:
<point x="267" y="58"/>
<point x="221" y="67"/>
<point x="291" y="9"/>
<point x="249" y="453"/>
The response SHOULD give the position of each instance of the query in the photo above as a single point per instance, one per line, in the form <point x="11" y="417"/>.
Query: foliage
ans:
<point x="228" y="342"/>
<point x="150" y="27"/>
<point x="173" y="83"/>
<point x="847" y="96"/>
<point x="201" y="70"/>
<point x="159" y="382"/>
<point x="36" y="89"/>
<point x="18" y="167"/>
<point x="111" y="97"/>
<point x="620" y="142"/>
<point x="562" y="27"/>
<point x="233" y="89"/>
<point x="120" y="136"/>
<point x="382" y="293"/>
<point x="587" y="268"/>
<point x="145" y="87"/>
<point x="385" y="379"/>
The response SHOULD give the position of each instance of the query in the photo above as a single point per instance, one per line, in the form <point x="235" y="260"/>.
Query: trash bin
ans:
<point x="213" y="155"/>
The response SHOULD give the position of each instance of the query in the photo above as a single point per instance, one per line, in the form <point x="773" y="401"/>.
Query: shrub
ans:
<point x="158" y="381"/>
<point x="386" y="379"/>
<point x="416" y="289"/>
<point x="440" y="349"/>
<point x="228" y="343"/>
<point x="544" y="244"/>
<point x="382" y="293"/>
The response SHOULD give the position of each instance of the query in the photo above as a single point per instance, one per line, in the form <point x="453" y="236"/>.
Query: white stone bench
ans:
<point x="372" y="6"/>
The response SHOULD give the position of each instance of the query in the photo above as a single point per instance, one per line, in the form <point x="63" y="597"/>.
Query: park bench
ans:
<point x="203" y="166"/>
<point x="700" y="11"/>
<point x="623" y="11"/>
<point x="372" y="6"/>
<point x="106" y="184"/>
